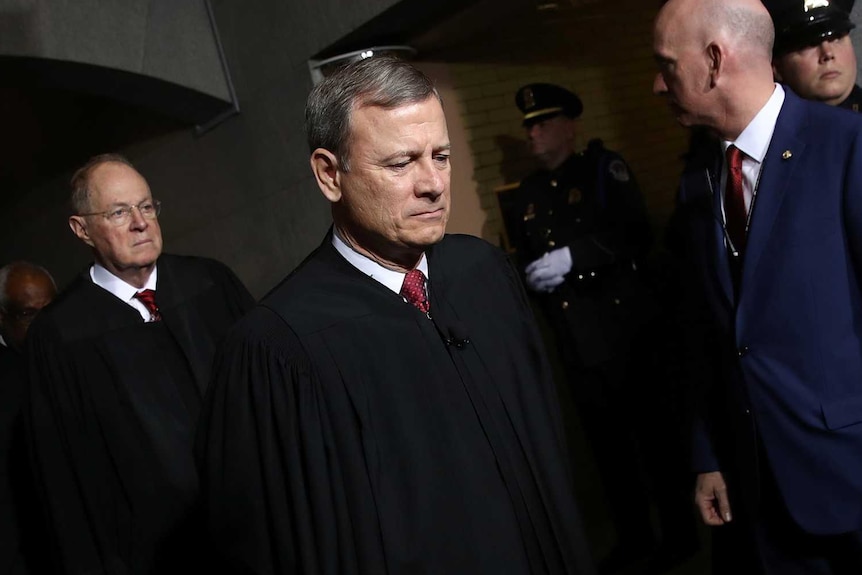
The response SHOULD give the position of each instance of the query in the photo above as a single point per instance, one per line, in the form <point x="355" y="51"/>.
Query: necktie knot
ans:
<point x="734" y="158"/>
<point x="148" y="298"/>
<point x="413" y="290"/>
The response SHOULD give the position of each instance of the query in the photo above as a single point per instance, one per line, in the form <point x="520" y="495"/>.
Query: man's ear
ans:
<point x="715" y="56"/>
<point x="324" y="164"/>
<point x="79" y="228"/>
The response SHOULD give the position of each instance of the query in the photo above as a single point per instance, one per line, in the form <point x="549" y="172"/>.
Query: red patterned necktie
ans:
<point x="413" y="290"/>
<point x="148" y="298"/>
<point x="734" y="199"/>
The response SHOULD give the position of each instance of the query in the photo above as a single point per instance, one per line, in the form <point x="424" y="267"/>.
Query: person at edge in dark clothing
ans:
<point x="25" y="288"/>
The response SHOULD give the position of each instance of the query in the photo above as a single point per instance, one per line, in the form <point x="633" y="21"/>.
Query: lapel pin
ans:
<point x="786" y="155"/>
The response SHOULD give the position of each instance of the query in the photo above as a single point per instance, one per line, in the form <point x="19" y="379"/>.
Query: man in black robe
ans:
<point x="119" y="365"/>
<point x="25" y="289"/>
<point x="363" y="421"/>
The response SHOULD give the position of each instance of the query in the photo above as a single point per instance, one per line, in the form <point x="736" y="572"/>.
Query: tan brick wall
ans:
<point x="601" y="51"/>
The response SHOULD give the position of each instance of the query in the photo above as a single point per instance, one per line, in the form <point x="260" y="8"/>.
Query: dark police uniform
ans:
<point x="803" y="23"/>
<point x="854" y="100"/>
<point x="591" y="204"/>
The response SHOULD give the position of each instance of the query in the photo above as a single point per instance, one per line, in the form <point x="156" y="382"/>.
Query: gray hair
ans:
<point x="382" y="81"/>
<point x="80" y="199"/>
<point x="15" y="268"/>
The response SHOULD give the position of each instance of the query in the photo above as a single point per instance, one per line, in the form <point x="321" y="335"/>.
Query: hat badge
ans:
<point x="529" y="99"/>
<point x="812" y="4"/>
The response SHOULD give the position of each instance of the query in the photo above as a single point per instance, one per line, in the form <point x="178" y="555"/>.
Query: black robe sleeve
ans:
<point x="67" y="435"/>
<point x="262" y="453"/>
<point x="21" y="533"/>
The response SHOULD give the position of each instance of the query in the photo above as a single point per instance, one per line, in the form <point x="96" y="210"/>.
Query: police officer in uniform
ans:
<point x="813" y="52"/>
<point x="579" y="229"/>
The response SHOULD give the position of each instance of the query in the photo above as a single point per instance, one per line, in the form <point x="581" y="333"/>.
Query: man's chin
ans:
<point x="427" y="239"/>
<point x="145" y="262"/>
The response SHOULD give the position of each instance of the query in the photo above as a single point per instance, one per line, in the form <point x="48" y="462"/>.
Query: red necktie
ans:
<point x="734" y="199"/>
<point x="148" y="298"/>
<point x="413" y="290"/>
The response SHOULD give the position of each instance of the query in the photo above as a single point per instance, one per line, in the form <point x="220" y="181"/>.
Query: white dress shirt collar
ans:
<point x="754" y="139"/>
<point x="124" y="291"/>
<point x="389" y="278"/>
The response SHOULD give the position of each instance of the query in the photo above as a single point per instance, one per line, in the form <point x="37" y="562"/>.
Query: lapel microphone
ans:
<point x="457" y="334"/>
<point x="453" y="333"/>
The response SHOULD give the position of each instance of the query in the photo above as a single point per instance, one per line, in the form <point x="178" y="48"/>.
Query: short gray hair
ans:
<point x="80" y="199"/>
<point x="18" y="267"/>
<point x="382" y="81"/>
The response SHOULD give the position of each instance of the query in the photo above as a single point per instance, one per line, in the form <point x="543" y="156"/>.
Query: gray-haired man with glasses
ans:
<point x="119" y="365"/>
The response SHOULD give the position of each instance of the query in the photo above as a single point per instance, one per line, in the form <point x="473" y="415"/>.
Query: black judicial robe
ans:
<point x="342" y="435"/>
<point x="114" y="406"/>
<point x="20" y="537"/>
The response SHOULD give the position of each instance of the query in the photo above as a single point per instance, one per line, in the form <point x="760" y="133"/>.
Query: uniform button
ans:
<point x="592" y="274"/>
<point x="580" y="276"/>
<point x="617" y="301"/>
<point x="747" y="412"/>
<point x="553" y="183"/>
<point x="551" y="243"/>
<point x="742" y="351"/>
<point x="564" y="305"/>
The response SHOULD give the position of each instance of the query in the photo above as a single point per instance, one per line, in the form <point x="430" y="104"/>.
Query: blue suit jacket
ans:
<point x="789" y="365"/>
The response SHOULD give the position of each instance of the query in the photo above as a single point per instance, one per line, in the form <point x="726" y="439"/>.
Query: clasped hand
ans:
<point x="547" y="272"/>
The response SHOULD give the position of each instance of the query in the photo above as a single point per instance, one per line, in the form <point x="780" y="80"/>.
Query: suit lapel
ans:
<point x="718" y="249"/>
<point x="782" y="157"/>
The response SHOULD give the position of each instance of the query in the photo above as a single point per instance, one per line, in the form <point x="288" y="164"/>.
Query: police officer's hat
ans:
<point x="541" y="101"/>
<point x="801" y="23"/>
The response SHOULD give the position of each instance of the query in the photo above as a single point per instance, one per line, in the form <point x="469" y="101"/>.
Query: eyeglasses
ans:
<point x="121" y="215"/>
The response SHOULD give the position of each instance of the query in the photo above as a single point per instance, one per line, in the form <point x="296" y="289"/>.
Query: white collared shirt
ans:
<point x="389" y="278"/>
<point x="119" y="288"/>
<point x="754" y="142"/>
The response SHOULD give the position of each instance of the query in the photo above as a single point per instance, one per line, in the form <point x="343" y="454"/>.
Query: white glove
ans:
<point x="545" y="285"/>
<point x="547" y="272"/>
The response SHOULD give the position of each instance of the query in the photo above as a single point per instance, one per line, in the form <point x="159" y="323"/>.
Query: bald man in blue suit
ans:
<point x="778" y="442"/>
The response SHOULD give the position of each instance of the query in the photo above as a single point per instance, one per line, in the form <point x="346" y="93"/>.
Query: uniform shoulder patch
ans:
<point x="618" y="170"/>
